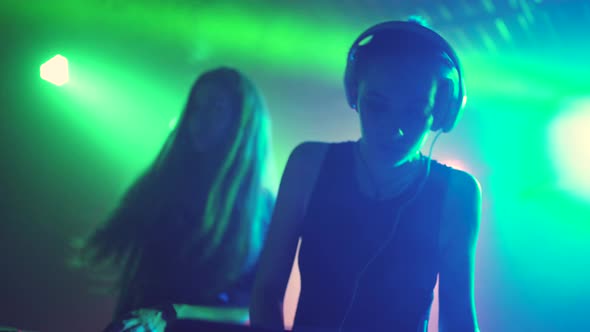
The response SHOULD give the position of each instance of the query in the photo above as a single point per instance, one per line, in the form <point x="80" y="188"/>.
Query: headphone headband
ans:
<point x="449" y="116"/>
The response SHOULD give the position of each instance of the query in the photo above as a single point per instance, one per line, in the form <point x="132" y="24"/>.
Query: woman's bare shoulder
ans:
<point x="462" y="207"/>
<point x="312" y="153"/>
<point x="303" y="167"/>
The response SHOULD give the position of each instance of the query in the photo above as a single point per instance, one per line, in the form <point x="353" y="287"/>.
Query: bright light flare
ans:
<point x="55" y="70"/>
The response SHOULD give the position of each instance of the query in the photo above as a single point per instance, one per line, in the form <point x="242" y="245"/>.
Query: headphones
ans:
<point x="450" y="97"/>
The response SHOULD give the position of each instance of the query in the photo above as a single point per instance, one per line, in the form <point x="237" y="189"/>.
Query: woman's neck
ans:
<point x="382" y="164"/>
<point x="381" y="178"/>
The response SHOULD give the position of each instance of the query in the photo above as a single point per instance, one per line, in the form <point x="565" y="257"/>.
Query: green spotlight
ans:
<point x="55" y="70"/>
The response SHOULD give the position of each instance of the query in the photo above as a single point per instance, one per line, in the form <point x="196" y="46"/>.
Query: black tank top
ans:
<point x="343" y="229"/>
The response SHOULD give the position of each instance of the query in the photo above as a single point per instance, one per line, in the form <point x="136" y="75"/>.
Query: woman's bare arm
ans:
<point x="459" y="233"/>
<point x="277" y="257"/>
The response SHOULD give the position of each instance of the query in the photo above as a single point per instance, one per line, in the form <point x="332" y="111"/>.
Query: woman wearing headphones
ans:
<point x="379" y="221"/>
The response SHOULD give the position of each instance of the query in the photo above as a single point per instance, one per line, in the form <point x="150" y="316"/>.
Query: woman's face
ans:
<point x="212" y="117"/>
<point x="395" y="103"/>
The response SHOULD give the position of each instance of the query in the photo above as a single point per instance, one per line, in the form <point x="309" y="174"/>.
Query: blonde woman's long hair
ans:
<point x="229" y="194"/>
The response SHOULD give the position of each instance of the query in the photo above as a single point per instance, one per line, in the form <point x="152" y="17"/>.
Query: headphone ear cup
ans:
<point x="444" y="112"/>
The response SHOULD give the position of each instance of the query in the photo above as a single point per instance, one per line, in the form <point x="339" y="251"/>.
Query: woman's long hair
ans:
<point x="208" y="208"/>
